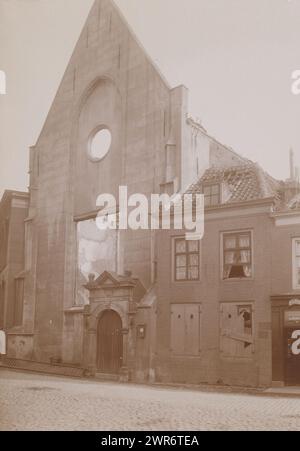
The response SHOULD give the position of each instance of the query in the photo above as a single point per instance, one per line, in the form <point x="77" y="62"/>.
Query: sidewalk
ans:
<point x="293" y="392"/>
<point x="284" y="392"/>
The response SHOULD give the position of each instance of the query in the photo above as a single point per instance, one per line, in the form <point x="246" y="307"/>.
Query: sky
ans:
<point x="235" y="56"/>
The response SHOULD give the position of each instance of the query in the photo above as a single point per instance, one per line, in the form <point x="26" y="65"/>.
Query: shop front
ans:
<point x="286" y="340"/>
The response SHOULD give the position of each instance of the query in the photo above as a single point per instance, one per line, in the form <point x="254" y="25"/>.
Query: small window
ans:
<point x="296" y="263"/>
<point x="237" y="255"/>
<point x="187" y="260"/>
<point x="99" y="144"/>
<point x="212" y="195"/>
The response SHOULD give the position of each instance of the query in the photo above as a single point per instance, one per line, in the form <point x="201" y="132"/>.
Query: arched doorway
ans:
<point x="110" y="343"/>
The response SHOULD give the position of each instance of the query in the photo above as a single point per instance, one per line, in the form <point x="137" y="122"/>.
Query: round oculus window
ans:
<point x="99" y="144"/>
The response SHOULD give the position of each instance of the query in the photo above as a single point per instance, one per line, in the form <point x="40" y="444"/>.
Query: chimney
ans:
<point x="297" y="178"/>
<point x="292" y="186"/>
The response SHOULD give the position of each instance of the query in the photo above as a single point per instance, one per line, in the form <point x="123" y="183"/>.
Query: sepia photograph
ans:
<point x="149" y="218"/>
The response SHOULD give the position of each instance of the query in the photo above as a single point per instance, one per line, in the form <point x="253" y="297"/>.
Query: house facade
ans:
<point x="228" y="306"/>
<point x="285" y="294"/>
<point x="144" y="305"/>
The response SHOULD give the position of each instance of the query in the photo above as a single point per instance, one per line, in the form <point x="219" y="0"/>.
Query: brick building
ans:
<point x="13" y="212"/>
<point x="224" y="303"/>
<point x="115" y="302"/>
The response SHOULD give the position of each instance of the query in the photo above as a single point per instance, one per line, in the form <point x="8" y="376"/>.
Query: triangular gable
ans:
<point x="107" y="279"/>
<point x="105" y="31"/>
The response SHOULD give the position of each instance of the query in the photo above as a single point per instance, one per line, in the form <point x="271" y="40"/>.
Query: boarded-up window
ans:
<point x="237" y="337"/>
<point x="185" y="329"/>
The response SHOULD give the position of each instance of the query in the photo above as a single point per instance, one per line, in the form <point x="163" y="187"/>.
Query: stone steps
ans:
<point x="107" y="377"/>
<point x="41" y="367"/>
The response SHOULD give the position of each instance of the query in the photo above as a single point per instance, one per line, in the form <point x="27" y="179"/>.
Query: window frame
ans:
<point x="211" y="195"/>
<point x="187" y="253"/>
<point x="296" y="285"/>
<point x="236" y="233"/>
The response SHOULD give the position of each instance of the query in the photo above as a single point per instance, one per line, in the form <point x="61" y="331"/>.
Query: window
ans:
<point x="296" y="263"/>
<point x="99" y="144"/>
<point x="185" y="329"/>
<point x="237" y="335"/>
<point x="237" y="255"/>
<point x="212" y="195"/>
<point x="187" y="258"/>
<point x="97" y="251"/>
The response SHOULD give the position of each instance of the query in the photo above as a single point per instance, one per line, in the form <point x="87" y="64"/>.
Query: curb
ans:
<point x="209" y="389"/>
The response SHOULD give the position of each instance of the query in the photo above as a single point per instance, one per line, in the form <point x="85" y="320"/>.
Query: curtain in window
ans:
<point x="181" y="261"/>
<point x="229" y="262"/>
<point x="180" y="246"/>
<point x="237" y="261"/>
<point x="247" y="270"/>
<point x="230" y="258"/>
<point x="193" y="273"/>
<point x="186" y="260"/>
<point x="230" y="243"/>
<point x="244" y="241"/>
<point x="245" y="258"/>
<point x="193" y="260"/>
<point x="193" y="246"/>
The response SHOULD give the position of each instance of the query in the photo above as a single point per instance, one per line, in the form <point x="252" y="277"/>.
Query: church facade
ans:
<point x="102" y="302"/>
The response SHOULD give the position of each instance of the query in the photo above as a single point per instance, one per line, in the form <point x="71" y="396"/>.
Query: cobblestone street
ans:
<point x="35" y="402"/>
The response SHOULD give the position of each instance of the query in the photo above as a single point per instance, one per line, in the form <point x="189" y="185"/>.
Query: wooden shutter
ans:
<point x="185" y="329"/>
<point x="192" y="330"/>
<point x="177" y="329"/>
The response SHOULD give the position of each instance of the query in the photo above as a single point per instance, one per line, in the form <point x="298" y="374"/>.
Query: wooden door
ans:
<point x="292" y="355"/>
<point x="110" y="343"/>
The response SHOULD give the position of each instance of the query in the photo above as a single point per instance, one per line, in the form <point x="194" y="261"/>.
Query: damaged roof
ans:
<point x="243" y="183"/>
